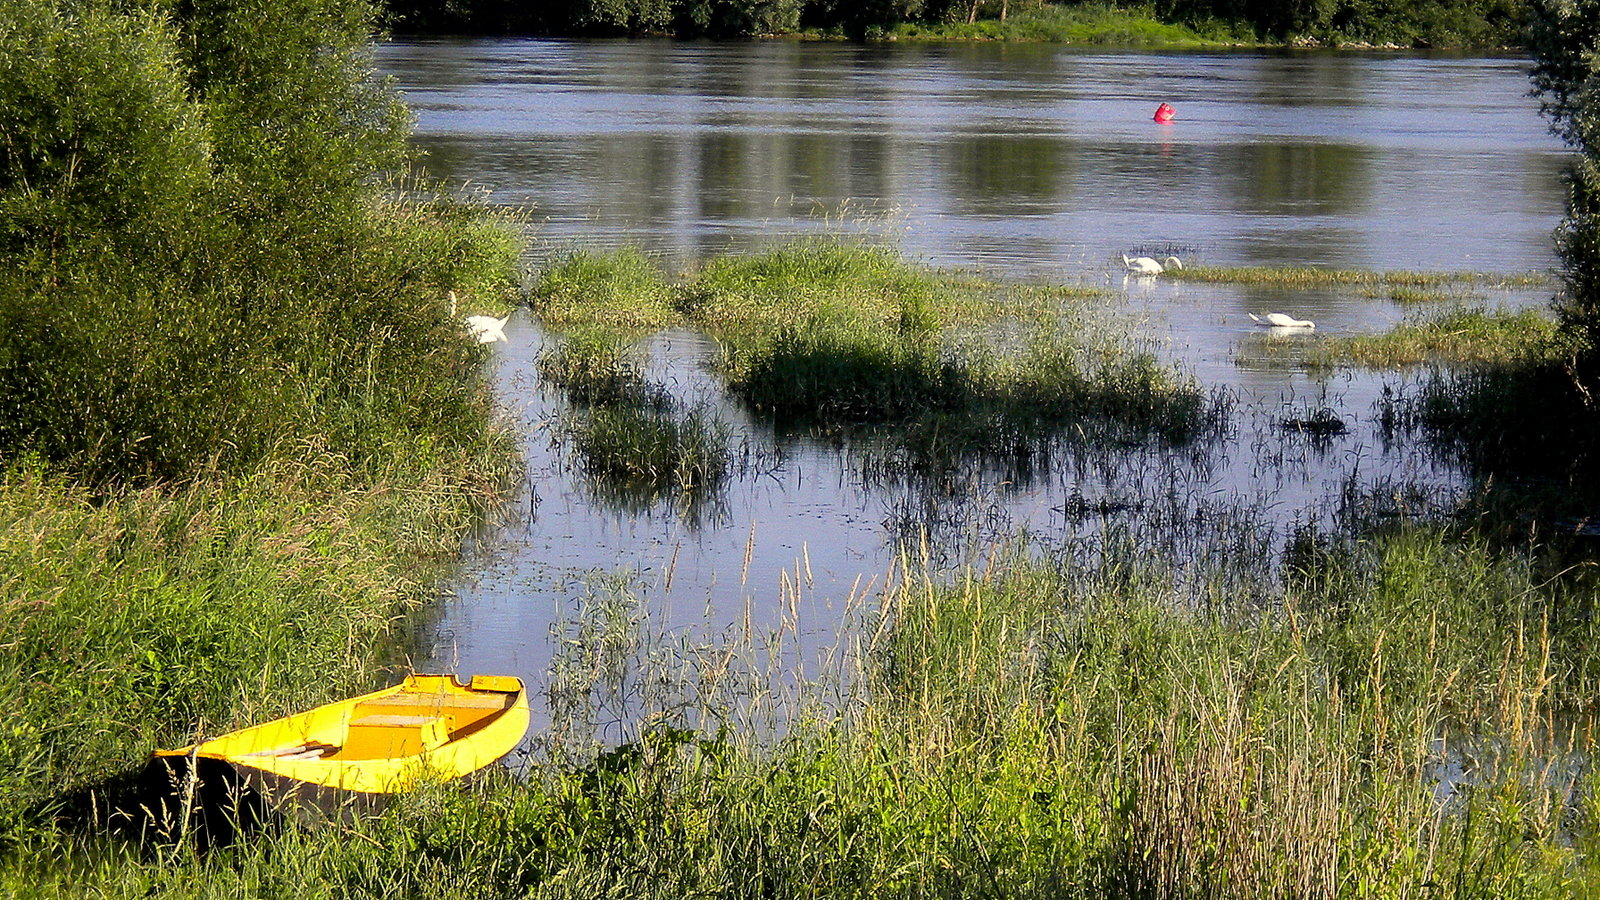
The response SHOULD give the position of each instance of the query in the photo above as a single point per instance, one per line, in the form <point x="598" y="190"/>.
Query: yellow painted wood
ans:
<point x="428" y="727"/>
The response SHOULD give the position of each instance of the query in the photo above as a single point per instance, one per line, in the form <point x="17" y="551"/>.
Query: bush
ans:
<point x="1565" y="40"/>
<point x="202" y="260"/>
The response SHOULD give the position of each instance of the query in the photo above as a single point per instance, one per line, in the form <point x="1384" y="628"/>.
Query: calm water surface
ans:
<point x="1027" y="161"/>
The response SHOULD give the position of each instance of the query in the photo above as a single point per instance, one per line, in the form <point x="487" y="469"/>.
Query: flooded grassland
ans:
<point x="880" y="534"/>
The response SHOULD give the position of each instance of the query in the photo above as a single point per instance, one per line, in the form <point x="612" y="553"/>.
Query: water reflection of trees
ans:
<point x="1301" y="179"/>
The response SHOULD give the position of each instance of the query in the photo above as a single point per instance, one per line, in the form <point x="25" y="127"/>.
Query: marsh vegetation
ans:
<point x="1244" y="656"/>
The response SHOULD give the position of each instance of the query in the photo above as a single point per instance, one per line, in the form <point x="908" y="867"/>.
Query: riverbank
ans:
<point x="242" y="429"/>
<point x="1396" y="700"/>
<point x="1086" y="24"/>
<point x="1403" y="710"/>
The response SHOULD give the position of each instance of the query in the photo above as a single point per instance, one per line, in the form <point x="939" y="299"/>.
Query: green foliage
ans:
<point x="101" y="147"/>
<point x="1422" y="23"/>
<point x="1082" y="23"/>
<point x="1565" y="40"/>
<point x="624" y="289"/>
<point x="739" y="17"/>
<point x="203" y="263"/>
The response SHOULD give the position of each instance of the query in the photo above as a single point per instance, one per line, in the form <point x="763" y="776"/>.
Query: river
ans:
<point x="1026" y="161"/>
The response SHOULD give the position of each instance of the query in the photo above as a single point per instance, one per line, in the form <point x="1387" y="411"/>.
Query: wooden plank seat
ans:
<point x="460" y="701"/>
<point x="378" y="720"/>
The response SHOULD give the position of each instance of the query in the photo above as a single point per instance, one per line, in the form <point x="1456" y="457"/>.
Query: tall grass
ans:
<point x="1397" y="721"/>
<point x="132" y="618"/>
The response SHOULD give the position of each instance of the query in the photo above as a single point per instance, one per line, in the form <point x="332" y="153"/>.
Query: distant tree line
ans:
<point x="1460" y="22"/>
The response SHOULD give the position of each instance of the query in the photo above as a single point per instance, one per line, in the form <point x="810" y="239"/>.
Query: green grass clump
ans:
<point x="798" y="282"/>
<point x="961" y="395"/>
<point x="634" y="443"/>
<point x="623" y="289"/>
<point x="646" y="454"/>
<point x="596" y="367"/>
<point x="829" y="335"/>
<point x="1459" y="337"/>
<point x="839" y="375"/>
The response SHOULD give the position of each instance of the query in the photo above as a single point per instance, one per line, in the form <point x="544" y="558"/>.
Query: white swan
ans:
<point x="1144" y="265"/>
<point x="487" y="329"/>
<point x="483" y="329"/>
<point x="1279" y="320"/>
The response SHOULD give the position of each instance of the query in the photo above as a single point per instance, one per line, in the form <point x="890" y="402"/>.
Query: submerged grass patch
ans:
<point x="598" y="367"/>
<point x="1459" y="337"/>
<point x="1408" y="296"/>
<point x="1462" y="336"/>
<point x="634" y="443"/>
<point x="834" y="375"/>
<point x="626" y="291"/>
<point x="1307" y="277"/>
<point x="831" y="334"/>
<point x="645" y="454"/>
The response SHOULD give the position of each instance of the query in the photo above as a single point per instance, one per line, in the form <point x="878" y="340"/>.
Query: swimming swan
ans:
<point x="483" y="329"/>
<point x="1279" y="320"/>
<point x="1144" y="265"/>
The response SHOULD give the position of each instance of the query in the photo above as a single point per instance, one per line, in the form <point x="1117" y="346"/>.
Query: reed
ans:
<point x="1400" y="715"/>
<point x="644" y="454"/>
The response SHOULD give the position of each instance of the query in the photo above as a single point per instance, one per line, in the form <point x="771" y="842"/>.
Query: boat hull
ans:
<point x="349" y="753"/>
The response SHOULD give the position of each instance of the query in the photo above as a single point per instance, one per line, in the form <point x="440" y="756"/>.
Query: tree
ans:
<point x="1565" y="40"/>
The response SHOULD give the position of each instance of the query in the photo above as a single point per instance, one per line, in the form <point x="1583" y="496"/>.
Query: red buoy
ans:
<point x="1164" y="114"/>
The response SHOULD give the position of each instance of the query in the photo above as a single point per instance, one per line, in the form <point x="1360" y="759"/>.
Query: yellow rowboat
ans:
<point x="428" y="728"/>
